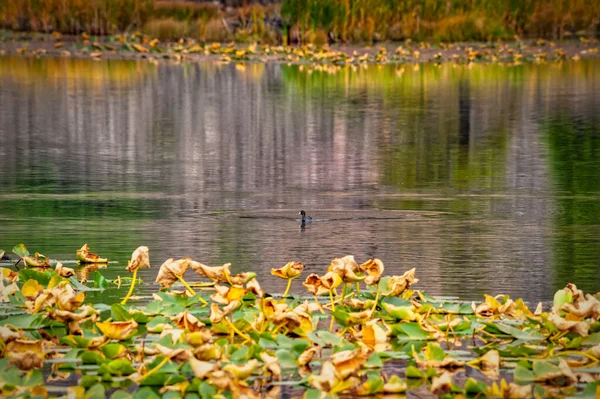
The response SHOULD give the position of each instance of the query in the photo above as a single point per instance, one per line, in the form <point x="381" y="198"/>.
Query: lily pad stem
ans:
<point x="358" y="287"/>
<point x="155" y="369"/>
<point x="234" y="328"/>
<point x="344" y="291"/>
<point x="124" y="301"/>
<point x="287" y="289"/>
<point x="376" y="299"/>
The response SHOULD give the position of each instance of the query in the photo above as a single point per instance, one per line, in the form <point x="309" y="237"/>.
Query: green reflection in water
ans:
<point x="574" y="158"/>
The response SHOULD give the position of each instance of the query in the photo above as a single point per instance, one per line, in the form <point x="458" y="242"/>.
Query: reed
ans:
<point x="75" y="16"/>
<point x="448" y="20"/>
<point x="310" y="20"/>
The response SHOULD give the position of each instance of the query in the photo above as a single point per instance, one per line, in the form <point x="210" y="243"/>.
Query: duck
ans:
<point x="304" y="219"/>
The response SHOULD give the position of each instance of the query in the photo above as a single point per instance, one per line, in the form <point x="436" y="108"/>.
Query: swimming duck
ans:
<point x="304" y="219"/>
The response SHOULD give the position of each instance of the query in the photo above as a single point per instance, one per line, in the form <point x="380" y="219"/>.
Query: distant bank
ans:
<point x="310" y="21"/>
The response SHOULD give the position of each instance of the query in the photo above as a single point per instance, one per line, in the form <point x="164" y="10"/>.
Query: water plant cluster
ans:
<point x="138" y="45"/>
<point x="355" y="332"/>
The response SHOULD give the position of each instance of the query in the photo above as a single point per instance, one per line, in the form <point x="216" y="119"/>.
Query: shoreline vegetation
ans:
<point x="139" y="46"/>
<point x="318" y="22"/>
<point x="355" y="332"/>
<point x="316" y="32"/>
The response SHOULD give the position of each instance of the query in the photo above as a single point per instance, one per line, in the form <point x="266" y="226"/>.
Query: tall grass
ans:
<point x="447" y="20"/>
<point x="309" y="20"/>
<point x="75" y="16"/>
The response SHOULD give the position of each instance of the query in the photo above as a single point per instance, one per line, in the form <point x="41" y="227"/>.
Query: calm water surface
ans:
<point x="484" y="178"/>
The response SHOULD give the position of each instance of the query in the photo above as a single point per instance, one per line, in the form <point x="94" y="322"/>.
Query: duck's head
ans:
<point x="302" y="213"/>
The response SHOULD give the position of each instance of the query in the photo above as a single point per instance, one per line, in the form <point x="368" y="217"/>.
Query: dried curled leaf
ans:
<point x="349" y="362"/>
<point x="346" y="268"/>
<point x="579" y="327"/>
<point x="187" y="321"/>
<point x="85" y="256"/>
<point x="289" y="270"/>
<point x="373" y="268"/>
<point x="63" y="271"/>
<point x="171" y="270"/>
<point x="219" y="274"/>
<point x="398" y="284"/>
<point x="202" y="368"/>
<point x="26" y="354"/>
<point x="140" y="258"/>
<point x="272" y="365"/>
<point x="314" y="285"/>
<point x="38" y="260"/>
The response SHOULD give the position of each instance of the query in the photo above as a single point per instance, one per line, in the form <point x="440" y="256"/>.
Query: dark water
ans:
<point x="484" y="178"/>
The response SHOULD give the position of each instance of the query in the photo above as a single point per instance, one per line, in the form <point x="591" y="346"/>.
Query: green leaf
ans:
<point x="474" y="387"/>
<point x="121" y="395"/>
<point x="100" y="281"/>
<point x="324" y="338"/>
<point x="434" y="352"/>
<point x="113" y="350"/>
<point x="147" y="393"/>
<point x="24" y="322"/>
<point x="92" y="357"/>
<point x="206" y="390"/>
<point x="20" y="250"/>
<point x="32" y="379"/>
<point x="410" y="331"/>
<point x="561" y="297"/>
<point x="520" y="334"/>
<point x="523" y="374"/>
<point x="413" y="372"/>
<point x="157" y="324"/>
<point x="96" y="392"/>
<point x="119" y="313"/>
<point x="286" y="359"/>
<point x="542" y="369"/>
<point x="374" y="361"/>
<point x="118" y="367"/>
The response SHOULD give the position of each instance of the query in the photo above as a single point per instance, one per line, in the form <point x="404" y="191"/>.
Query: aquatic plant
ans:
<point x="384" y="336"/>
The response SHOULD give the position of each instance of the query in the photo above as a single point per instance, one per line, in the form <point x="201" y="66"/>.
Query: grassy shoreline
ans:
<point x="310" y="21"/>
<point x="139" y="46"/>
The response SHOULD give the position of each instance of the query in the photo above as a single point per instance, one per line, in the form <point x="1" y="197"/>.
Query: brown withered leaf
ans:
<point x="140" y="259"/>
<point x="584" y="308"/>
<point x="289" y="270"/>
<point x="254" y="287"/>
<point x="85" y="256"/>
<point x="25" y="354"/>
<point x="314" y="285"/>
<point x="373" y="268"/>
<point x="348" y="362"/>
<point x="202" y="368"/>
<point x="66" y="296"/>
<point x="187" y="321"/>
<point x="398" y="284"/>
<point x="170" y="270"/>
<point x="346" y="268"/>
<point x="272" y="365"/>
<point x="580" y="327"/>
<point x="226" y="294"/>
<point x="307" y="356"/>
<point x="217" y="315"/>
<point x="442" y="384"/>
<point x="219" y="274"/>
<point x="63" y="271"/>
<point x="38" y="260"/>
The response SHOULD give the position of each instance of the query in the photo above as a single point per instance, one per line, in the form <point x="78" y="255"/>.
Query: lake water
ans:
<point x="486" y="178"/>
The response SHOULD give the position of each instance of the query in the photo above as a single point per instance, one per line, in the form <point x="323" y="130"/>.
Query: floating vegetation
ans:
<point x="318" y="57"/>
<point x="358" y="332"/>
